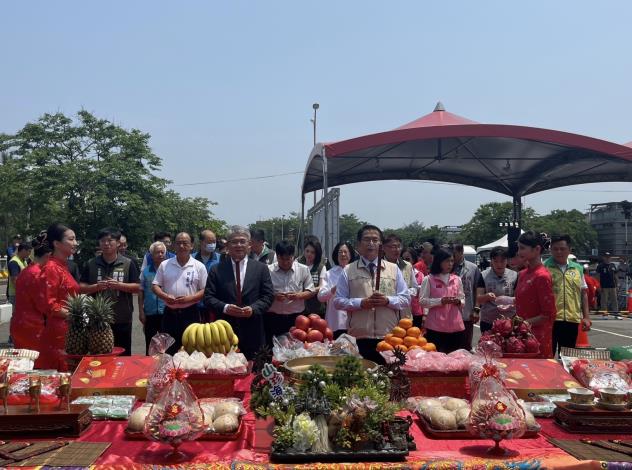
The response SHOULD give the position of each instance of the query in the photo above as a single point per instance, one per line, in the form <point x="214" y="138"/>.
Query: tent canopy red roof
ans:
<point x="441" y="146"/>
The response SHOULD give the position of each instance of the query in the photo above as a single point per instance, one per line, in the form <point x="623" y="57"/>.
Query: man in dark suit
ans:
<point x="240" y="291"/>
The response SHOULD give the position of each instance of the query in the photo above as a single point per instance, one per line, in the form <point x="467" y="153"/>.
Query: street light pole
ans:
<point x="315" y="107"/>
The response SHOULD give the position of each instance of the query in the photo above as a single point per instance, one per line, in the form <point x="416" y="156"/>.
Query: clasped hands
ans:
<point x="239" y="312"/>
<point x="377" y="299"/>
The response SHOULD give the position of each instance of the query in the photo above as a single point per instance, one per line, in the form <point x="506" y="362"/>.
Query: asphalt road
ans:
<point x="606" y="332"/>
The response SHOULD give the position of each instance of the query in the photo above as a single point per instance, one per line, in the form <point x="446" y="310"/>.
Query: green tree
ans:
<point x="91" y="173"/>
<point x="484" y="227"/>
<point x="415" y="233"/>
<point x="573" y="223"/>
<point x="279" y="228"/>
<point x="348" y="225"/>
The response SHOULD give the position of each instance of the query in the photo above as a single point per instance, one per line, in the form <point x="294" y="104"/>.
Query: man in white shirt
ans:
<point x="180" y="282"/>
<point x="293" y="285"/>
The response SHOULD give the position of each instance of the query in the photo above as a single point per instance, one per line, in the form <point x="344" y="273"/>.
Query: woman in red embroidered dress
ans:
<point x="57" y="284"/>
<point x="28" y="319"/>
<point x="534" y="298"/>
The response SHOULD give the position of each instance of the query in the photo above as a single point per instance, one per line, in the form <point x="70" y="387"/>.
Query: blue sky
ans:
<point x="226" y="88"/>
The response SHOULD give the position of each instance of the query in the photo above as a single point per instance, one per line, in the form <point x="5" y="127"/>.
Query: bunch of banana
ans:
<point x="208" y="338"/>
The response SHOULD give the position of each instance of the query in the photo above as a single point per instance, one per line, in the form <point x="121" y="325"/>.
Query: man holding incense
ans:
<point x="373" y="293"/>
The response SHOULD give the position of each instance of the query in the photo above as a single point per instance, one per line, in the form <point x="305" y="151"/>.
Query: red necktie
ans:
<point x="238" y="280"/>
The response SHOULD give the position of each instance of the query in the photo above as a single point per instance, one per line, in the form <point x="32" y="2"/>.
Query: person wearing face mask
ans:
<point x="209" y="256"/>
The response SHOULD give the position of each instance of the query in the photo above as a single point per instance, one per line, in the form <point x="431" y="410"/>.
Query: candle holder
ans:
<point x="35" y="391"/>
<point x="64" y="390"/>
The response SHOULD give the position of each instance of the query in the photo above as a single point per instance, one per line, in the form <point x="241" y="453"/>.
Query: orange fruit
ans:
<point x="395" y="341"/>
<point x="429" y="347"/>
<point x="402" y="348"/>
<point x="399" y="332"/>
<point x="421" y="341"/>
<point x="405" y="323"/>
<point x="384" y="346"/>
<point x="410" y="348"/>
<point x="414" y="332"/>
<point x="390" y="335"/>
<point x="410" y="341"/>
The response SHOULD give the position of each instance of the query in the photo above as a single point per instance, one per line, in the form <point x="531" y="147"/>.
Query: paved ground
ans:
<point x="605" y="333"/>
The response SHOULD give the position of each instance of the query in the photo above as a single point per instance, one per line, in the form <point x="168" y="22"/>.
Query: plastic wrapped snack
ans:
<point x="176" y="416"/>
<point x="596" y="374"/>
<point x="160" y="379"/>
<point x="442" y="419"/>
<point x="236" y="363"/>
<point x="222" y="415"/>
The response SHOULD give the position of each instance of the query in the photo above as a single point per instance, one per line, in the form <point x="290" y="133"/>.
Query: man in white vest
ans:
<point x="372" y="313"/>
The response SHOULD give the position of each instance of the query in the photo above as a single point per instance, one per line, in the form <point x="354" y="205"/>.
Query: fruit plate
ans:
<point x="207" y="436"/>
<point x="520" y="355"/>
<point x="464" y="434"/>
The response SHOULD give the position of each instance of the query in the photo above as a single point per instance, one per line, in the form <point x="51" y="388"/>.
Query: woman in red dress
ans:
<point x="57" y="284"/>
<point x="534" y="298"/>
<point x="28" y="318"/>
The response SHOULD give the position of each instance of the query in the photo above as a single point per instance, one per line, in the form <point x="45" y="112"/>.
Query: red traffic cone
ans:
<point x="582" y="338"/>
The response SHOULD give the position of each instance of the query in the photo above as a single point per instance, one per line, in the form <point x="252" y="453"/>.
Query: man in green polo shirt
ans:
<point x="571" y="294"/>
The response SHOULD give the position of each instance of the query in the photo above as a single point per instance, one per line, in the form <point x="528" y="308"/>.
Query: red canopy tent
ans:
<point x="441" y="146"/>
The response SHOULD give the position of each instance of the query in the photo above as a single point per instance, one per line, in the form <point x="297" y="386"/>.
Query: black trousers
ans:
<point x="468" y="334"/>
<point x="175" y="321"/>
<point x="275" y="324"/>
<point x="418" y="321"/>
<point x="485" y="326"/>
<point x="123" y="337"/>
<point x="446" y="342"/>
<point x="564" y="334"/>
<point x="153" y="325"/>
<point x="367" y="346"/>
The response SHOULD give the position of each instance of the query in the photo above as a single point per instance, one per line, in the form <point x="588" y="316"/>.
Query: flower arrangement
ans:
<point x="347" y="410"/>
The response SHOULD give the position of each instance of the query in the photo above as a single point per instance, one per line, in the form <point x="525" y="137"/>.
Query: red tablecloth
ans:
<point x="430" y="453"/>
<point x="249" y="452"/>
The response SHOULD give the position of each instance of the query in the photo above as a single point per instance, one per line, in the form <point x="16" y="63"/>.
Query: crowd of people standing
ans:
<point x="261" y="289"/>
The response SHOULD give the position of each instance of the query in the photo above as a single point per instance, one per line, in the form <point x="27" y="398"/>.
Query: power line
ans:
<point x="239" y="179"/>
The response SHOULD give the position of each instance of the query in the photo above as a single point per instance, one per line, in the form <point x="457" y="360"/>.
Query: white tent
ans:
<point x="500" y="242"/>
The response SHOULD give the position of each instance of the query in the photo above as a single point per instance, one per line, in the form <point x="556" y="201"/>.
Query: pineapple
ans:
<point x="100" y="317"/>
<point x="76" y="339"/>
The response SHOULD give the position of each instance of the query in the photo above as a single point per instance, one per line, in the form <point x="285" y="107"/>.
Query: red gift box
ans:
<point x="531" y="377"/>
<point x="126" y="375"/>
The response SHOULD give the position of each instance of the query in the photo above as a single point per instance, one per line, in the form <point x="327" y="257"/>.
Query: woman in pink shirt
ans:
<point x="534" y="298"/>
<point x="442" y="293"/>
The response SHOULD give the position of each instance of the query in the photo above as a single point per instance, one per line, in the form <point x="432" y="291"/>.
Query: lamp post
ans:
<point x="315" y="107"/>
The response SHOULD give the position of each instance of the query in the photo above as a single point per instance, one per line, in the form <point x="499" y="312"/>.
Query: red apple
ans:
<point x="313" y="318"/>
<point x="314" y="336"/>
<point x="302" y="322"/>
<point x="321" y="325"/>
<point x="299" y="334"/>
<point x="292" y="328"/>
<point x="329" y="334"/>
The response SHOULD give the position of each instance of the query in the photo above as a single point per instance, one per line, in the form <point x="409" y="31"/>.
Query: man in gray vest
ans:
<point x="469" y="274"/>
<point x="392" y="252"/>
<point x="495" y="289"/>
<point x="117" y="277"/>
<point x="372" y="312"/>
